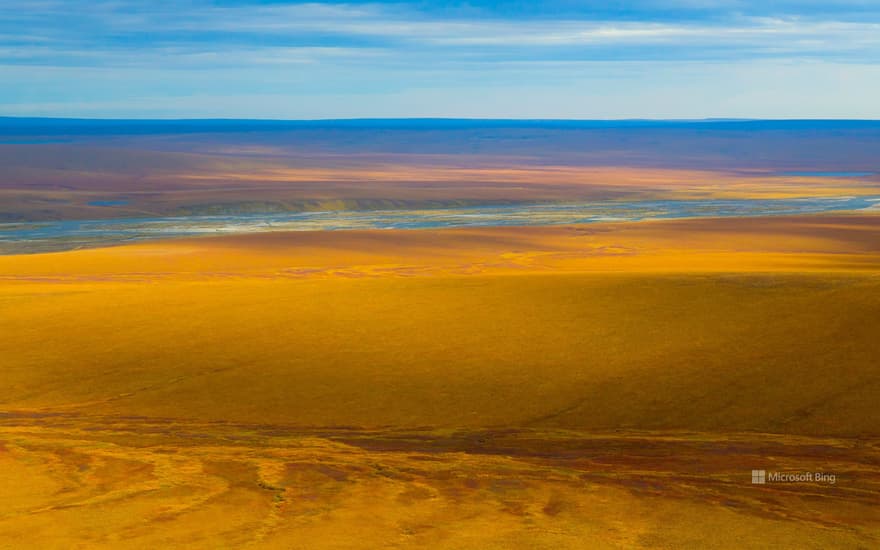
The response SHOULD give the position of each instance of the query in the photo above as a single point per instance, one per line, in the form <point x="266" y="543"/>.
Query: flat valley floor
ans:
<point x="596" y="386"/>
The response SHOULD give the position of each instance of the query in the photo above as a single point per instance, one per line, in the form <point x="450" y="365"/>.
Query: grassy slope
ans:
<point x="676" y="340"/>
<point x="572" y="351"/>
<point x="381" y="329"/>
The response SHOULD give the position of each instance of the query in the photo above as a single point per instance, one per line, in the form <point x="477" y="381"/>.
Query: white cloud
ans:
<point x="315" y="60"/>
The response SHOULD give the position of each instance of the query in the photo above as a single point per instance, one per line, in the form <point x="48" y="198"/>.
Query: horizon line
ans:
<point x="331" y="119"/>
<point x="431" y="118"/>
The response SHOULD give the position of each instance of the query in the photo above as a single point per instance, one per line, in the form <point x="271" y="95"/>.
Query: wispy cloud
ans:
<point x="96" y="32"/>
<point x="407" y="45"/>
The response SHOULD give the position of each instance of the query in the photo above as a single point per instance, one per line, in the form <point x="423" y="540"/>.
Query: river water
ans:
<point x="71" y="234"/>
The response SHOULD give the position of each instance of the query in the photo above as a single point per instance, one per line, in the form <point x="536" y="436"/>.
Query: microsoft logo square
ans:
<point x="759" y="477"/>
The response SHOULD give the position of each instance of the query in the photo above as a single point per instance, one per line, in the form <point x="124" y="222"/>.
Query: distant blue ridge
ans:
<point x="21" y="126"/>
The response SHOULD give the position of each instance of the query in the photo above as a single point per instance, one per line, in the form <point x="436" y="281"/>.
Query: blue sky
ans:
<point x="513" y="59"/>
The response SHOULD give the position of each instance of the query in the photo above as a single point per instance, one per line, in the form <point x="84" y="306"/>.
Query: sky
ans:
<point x="479" y="59"/>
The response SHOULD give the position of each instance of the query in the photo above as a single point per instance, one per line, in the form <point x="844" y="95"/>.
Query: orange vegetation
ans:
<point x="599" y="386"/>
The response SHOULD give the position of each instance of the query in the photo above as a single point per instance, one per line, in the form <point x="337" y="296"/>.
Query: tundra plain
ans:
<point x="604" y="385"/>
<point x="608" y="385"/>
<point x="80" y="169"/>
